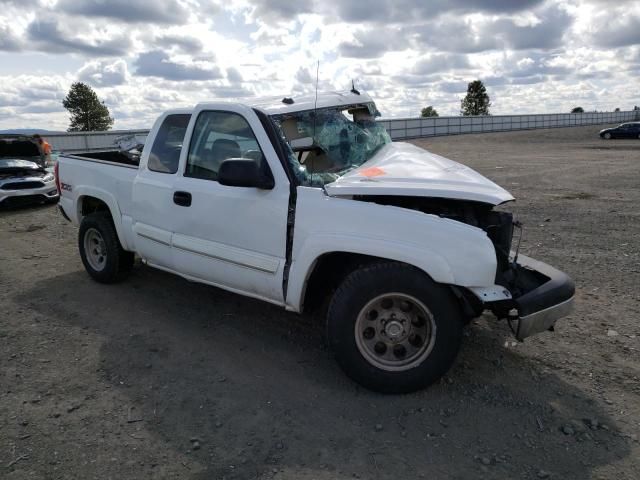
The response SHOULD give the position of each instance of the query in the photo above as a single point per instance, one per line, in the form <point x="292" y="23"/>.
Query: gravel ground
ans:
<point x="157" y="377"/>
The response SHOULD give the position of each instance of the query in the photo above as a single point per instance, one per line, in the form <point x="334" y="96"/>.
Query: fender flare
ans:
<point x="111" y="203"/>
<point x="421" y="257"/>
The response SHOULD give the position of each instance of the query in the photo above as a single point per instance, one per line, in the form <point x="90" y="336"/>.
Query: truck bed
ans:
<point x="113" y="175"/>
<point x="115" y="156"/>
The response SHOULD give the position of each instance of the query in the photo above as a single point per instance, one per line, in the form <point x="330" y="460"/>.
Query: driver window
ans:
<point x="165" y="152"/>
<point x="218" y="136"/>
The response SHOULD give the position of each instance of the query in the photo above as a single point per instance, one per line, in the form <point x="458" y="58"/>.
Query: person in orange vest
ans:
<point x="44" y="148"/>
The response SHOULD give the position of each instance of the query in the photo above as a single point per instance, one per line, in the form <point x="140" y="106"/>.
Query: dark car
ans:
<point x="625" y="130"/>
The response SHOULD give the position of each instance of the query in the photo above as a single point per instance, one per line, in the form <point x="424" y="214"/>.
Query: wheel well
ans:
<point x="88" y="205"/>
<point x="331" y="268"/>
<point x="329" y="271"/>
<point x="91" y="205"/>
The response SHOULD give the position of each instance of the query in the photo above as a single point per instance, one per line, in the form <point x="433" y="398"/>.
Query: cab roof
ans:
<point x="299" y="103"/>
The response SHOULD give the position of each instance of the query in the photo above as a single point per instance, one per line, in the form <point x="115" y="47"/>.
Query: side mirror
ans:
<point x="301" y="143"/>
<point x="244" y="172"/>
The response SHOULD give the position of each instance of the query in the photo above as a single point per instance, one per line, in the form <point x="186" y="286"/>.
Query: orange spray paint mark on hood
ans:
<point x="372" y="172"/>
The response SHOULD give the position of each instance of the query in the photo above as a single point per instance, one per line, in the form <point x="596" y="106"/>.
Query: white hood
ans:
<point x="407" y="170"/>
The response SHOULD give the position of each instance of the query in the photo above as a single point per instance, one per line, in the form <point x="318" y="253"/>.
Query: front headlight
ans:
<point x="48" y="177"/>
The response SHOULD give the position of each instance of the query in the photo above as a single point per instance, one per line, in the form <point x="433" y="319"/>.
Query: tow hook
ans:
<point x="513" y="316"/>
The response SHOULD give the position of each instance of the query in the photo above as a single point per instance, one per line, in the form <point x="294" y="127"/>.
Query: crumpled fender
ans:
<point x="449" y="252"/>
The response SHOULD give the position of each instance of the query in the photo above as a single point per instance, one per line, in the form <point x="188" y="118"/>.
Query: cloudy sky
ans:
<point x="144" y="57"/>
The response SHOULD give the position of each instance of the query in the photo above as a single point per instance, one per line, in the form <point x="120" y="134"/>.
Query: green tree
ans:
<point x="577" y="110"/>
<point x="429" y="112"/>
<point x="476" y="102"/>
<point x="88" y="113"/>
<point x="617" y="109"/>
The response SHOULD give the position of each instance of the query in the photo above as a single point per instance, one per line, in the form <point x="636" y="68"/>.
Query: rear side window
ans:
<point x="217" y="137"/>
<point x="165" y="152"/>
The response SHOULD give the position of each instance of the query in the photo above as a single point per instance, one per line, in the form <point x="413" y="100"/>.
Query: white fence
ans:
<point x="74" y="142"/>
<point x="398" y="128"/>
<point x="405" y="128"/>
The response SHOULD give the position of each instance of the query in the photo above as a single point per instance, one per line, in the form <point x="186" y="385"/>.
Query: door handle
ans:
<point x="182" y="198"/>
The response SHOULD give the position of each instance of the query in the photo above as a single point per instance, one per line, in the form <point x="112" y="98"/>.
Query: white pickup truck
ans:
<point x="300" y="200"/>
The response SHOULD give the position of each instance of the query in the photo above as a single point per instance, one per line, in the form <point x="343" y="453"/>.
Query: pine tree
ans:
<point x="477" y="100"/>
<point x="577" y="110"/>
<point x="429" y="112"/>
<point x="88" y="113"/>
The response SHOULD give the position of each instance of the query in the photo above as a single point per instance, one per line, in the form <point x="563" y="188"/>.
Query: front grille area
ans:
<point x="22" y="185"/>
<point x="13" y="202"/>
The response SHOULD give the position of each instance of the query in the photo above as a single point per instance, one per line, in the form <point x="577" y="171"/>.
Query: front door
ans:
<point x="233" y="237"/>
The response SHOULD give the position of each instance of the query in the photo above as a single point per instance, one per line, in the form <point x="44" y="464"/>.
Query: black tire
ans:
<point x="117" y="261"/>
<point x="370" y="282"/>
<point x="607" y="136"/>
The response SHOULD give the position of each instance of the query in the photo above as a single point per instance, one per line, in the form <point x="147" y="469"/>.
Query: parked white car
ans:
<point x="22" y="179"/>
<point x="294" y="201"/>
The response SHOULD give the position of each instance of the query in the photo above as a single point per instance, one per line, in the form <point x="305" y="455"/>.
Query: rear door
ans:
<point x="632" y="130"/>
<point x="153" y="190"/>
<point x="232" y="237"/>
<point x="626" y="130"/>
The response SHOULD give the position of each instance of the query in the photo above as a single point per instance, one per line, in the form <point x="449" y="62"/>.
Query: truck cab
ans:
<point x="306" y="202"/>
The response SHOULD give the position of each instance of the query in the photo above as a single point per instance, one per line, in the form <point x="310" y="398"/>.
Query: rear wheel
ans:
<point x="100" y="250"/>
<point x="393" y="329"/>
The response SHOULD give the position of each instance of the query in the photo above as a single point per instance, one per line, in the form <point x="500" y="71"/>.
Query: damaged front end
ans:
<point x="529" y="294"/>
<point x="539" y="294"/>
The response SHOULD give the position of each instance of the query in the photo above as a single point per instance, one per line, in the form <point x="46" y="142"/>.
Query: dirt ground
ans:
<point x="157" y="377"/>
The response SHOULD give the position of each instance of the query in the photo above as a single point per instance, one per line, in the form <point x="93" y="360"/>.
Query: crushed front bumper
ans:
<point x="547" y="295"/>
<point x="536" y="295"/>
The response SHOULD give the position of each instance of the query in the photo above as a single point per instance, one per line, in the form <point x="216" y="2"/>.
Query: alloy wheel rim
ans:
<point x="95" y="249"/>
<point x="395" y="332"/>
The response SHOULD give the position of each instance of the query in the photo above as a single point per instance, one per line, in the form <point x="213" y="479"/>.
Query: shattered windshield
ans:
<point x="327" y="143"/>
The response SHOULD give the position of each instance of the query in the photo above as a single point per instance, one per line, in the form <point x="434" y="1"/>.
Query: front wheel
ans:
<point x="607" y="136"/>
<point x="100" y="250"/>
<point x="393" y="329"/>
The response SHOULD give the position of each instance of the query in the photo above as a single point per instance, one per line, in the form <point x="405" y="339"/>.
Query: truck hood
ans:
<point x="407" y="170"/>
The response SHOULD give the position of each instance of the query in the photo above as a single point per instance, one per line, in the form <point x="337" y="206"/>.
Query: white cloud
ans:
<point x="157" y="63"/>
<point x="130" y="11"/>
<point x="103" y="73"/>
<point x="53" y="36"/>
